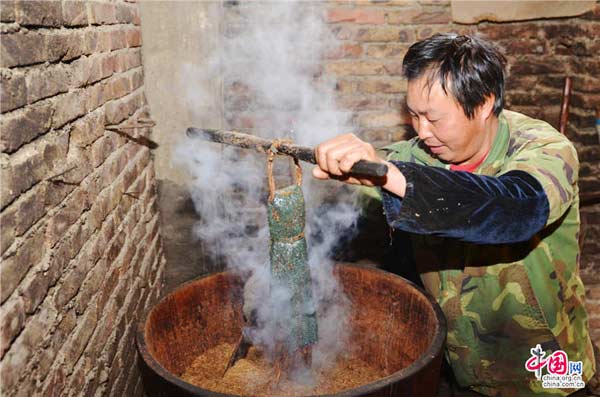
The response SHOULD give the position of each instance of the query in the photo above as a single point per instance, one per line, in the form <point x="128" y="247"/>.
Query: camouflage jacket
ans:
<point x="504" y="299"/>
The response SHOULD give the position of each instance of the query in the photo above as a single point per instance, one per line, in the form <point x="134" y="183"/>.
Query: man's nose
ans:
<point x="423" y="128"/>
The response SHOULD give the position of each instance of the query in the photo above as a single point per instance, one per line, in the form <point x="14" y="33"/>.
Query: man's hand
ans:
<point x="336" y="157"/>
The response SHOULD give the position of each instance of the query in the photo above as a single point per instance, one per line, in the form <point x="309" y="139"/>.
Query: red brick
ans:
<point x="121" y="207"/>
<point x="115" y="248"/>
<point x="100" y="210"/>
<point x="360" y="16"/>
<point x="34" y="289"/>
<point x="111" y="347"/>
<point x="104" y="41"/>
<point x="90" y="367"/>
<point x="23" y="126"/>
<point x="134" y="38"/>
<point x="77" y="379"/>
<point x="70" y="284"/>
<point x="19" y="49"/>
<point x="531" y="65"/>
<point x="125" y="60"/>
<point x="58" y="260"/>
<point x="7" y="11"/>
<point x="346" y="51"/>
<point x="108" y="65"/>
<point x="592" y="294"/>
<point x="135" y="15"/>
<point x="345" y="86"/>
<point x="89" y="288"/>
<point x="124" y="13"/>
<point x="120" y="86"/>
<point x="13" y="365"/>
<point x="526" y="30"/>
<point x="134" y="59"/>
<point x="428" y="31"/>
<point x="362" y="68"/>
<point x="589" y="153"/>
<point x="46" y="82"/>
<point x="101" y="149"/>
<point x="56" y="192"/>
<point x="388" y="119"/>
<point x="382" y="85"/>
<point x="101" y="13"/>
<point x="87" y="129"/>
<point x="522" y="82"/>
<point x="78" y="237"/>
<point x="110" y="283"/>
<point x="96" y="96"/>
<point x="55" y="383"/>
<point x="97" y="41"/>
<point x="7" y="231"/>
<point x="586" y="101"/>
<point x="74" y="13"/>
<point x="344" y="32"/>
<point x="363" y="102"/>
<point x="69" y="107"/>
<point x="86" y="71"/>
<point x="14" y="91"/>
<point x="385" y="34"/>
<point x="118" y="110"/>
<point x="522" y="47"/>
<point x="64" y="45"/>
<point x="393" y="68"/>
<point x="30" y="208"/>
<point x="80" y="337"/>
<point x="39" y="13"/>
<point x="386" y="50"/>
<point x="418" y="15"/>
<point x="13" y="320"/>
<point x="137" y="79"/>
<point x="132" y="377"/>
<point x="19" y="174"/>
<point x="66" y="216"/>
<point x="118" y="39"/>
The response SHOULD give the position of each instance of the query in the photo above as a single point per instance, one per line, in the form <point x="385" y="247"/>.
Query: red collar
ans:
<point x="468" y="167"/>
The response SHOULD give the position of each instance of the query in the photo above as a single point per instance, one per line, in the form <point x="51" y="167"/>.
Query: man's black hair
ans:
<point x="470" y="67"/>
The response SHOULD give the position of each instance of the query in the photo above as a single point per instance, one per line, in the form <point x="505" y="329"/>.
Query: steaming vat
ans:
<point x="395" y="326"/>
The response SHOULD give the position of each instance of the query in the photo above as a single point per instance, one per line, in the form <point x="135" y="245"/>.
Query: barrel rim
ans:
<point x="434" y="348"/>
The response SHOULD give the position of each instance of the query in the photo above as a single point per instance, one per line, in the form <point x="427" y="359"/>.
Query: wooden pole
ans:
<point x="247" y="141"/>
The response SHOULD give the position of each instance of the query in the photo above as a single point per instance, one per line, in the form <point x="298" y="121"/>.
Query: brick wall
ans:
<point x="80" y="244"/>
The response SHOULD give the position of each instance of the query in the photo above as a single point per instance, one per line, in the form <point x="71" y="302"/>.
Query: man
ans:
<point x="490" y="200"/>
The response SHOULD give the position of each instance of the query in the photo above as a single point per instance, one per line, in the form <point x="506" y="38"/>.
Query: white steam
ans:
<point x="270" y="61"/>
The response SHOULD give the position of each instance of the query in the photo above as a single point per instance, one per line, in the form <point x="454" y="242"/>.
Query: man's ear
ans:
<point x="487" y="107"/>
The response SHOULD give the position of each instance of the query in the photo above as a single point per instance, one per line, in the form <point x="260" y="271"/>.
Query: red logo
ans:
<point x="556" y="364"/>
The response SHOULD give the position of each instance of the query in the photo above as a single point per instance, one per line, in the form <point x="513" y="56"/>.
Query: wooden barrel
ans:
<point x="396" y="326"/>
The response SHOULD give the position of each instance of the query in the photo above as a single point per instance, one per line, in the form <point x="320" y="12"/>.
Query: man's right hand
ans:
<point x="336" y="157"/>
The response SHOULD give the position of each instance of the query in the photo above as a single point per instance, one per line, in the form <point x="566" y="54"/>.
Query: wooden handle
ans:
<point x="247" y="141"/>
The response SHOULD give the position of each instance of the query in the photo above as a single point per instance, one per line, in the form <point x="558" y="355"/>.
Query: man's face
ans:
<point x="442" y="124"/>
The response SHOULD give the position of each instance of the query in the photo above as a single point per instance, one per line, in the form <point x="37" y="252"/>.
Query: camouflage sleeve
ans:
<point x="399" y="151"/>
<point x="553" y="162"/>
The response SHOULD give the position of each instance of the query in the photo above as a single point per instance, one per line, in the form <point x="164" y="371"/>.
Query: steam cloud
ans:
<point x="271" y="57"/>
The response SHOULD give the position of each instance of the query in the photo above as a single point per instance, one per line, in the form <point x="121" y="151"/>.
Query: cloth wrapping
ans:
<point x="289" y="263"/>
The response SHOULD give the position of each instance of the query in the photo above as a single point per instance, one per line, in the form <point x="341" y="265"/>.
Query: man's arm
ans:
<point x="468" y="207"/>
<point x="537" y="188"/>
